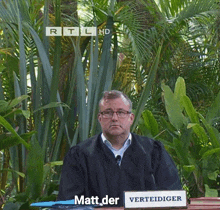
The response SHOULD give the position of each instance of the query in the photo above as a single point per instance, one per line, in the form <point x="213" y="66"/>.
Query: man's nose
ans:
<point x="114" y="116"/>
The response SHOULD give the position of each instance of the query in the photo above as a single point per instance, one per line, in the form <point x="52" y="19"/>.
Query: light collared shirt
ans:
<point x="117" y="152"/>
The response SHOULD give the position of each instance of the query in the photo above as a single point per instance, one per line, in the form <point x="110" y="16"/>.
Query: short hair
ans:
<point x="113" y="94"/>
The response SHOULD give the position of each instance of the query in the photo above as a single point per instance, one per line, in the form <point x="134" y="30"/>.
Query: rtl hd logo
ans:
<point x="75" y="31"/>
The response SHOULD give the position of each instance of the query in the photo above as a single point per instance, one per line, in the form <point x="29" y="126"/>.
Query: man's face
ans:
<point x="115" y="126"/>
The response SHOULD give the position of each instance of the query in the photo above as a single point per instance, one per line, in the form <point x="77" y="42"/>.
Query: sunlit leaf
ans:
<point x="213" y="176"/>
<point x="211" y="152"/>
<point x="14" y="171"/>
<point x="189" y="168"/>
<point x="4" y="123"/>
<point x="210" y="192"/>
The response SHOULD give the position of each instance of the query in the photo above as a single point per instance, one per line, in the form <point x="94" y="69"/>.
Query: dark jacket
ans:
<point x="90" y="169"/>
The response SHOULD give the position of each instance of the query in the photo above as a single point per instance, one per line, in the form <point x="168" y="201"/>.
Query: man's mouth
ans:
<point x="115" y="126"/>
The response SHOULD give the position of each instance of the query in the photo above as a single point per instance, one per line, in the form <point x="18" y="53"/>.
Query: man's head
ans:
<point x="115" y="115"/>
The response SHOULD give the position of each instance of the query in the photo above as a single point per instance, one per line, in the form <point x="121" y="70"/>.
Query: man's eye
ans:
<point x="108" y="112"/>
<point x="120" y="112"/>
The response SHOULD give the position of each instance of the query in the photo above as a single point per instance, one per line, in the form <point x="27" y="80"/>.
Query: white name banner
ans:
<point x="151" y="199"/>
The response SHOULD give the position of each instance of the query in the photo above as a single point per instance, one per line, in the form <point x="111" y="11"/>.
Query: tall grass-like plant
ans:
<point x="58" y="124"/>
<point x="9" y="137"/>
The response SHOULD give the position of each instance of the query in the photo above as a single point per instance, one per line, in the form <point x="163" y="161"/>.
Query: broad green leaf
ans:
<point x="16" y="101"/>
<point x="210" y="192"/>
<point x="189" y="168"/>
<point x="143" y="129"/>
<point x="173" y="108"/>
<point x="211" y="152"/>
<point x="213" y="133"/>
<point x="167" y="144"/>
<point x="181" y="153"/>
<point x="169" y="127"/>
<point x="10" y="141"/>
<point x="214" y="136"/>
<point x="217" y="135"/>
<point x="199" y="131"/>
<point x="191" y="112"/>
<point x="17" y="111"/>
<point x="213" y="175"/>
<point x="4" y="123"/>
<point x="150" y="122"/>
<point x="26" y="113"/>
<point x="180" y="90"/>
<point x="190" y="125"/>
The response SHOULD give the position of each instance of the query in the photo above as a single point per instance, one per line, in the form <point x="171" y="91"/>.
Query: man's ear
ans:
<point x="99" y="117"/>
<point x="132" y="116"/>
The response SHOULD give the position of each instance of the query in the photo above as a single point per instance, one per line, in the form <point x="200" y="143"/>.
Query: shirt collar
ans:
<point x="107" y="142"/>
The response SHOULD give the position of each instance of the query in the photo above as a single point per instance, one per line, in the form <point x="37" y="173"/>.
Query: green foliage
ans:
<point x="8" y="110"/>
<point x="173" y="108"/>
<point x="149" y="43"/>
<point x="35" y="164"/>
<point x="9" y="136"/>
<point x="18" y="139"/>
<point x="210" y="192"/>
<point x="58" y="123"/>
<point x="150" y="122"/>
<point x="194" y="154"/>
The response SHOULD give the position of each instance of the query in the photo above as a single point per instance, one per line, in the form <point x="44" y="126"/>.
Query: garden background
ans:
<point x="163" y="54"/>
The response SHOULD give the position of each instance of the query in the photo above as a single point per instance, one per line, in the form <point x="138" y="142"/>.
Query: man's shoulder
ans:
<point x="88" y="142"/>
<point x="140" y="138"/>
<point x="86" y="145"/>
<point x="147" y="142"/>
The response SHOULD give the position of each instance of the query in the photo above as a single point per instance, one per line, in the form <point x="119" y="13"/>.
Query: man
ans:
<point x="116" y="160"/>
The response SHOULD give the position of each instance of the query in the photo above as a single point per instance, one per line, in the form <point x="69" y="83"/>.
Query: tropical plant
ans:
<point x="57" y="125"/>
<point x="63" y="89"/>
<point x="9" y="113"/>
<point x="191" y="139"/>
<point x="190" y="50"/>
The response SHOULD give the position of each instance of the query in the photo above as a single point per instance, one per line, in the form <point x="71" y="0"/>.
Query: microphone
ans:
<point x="118" y="159"/>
